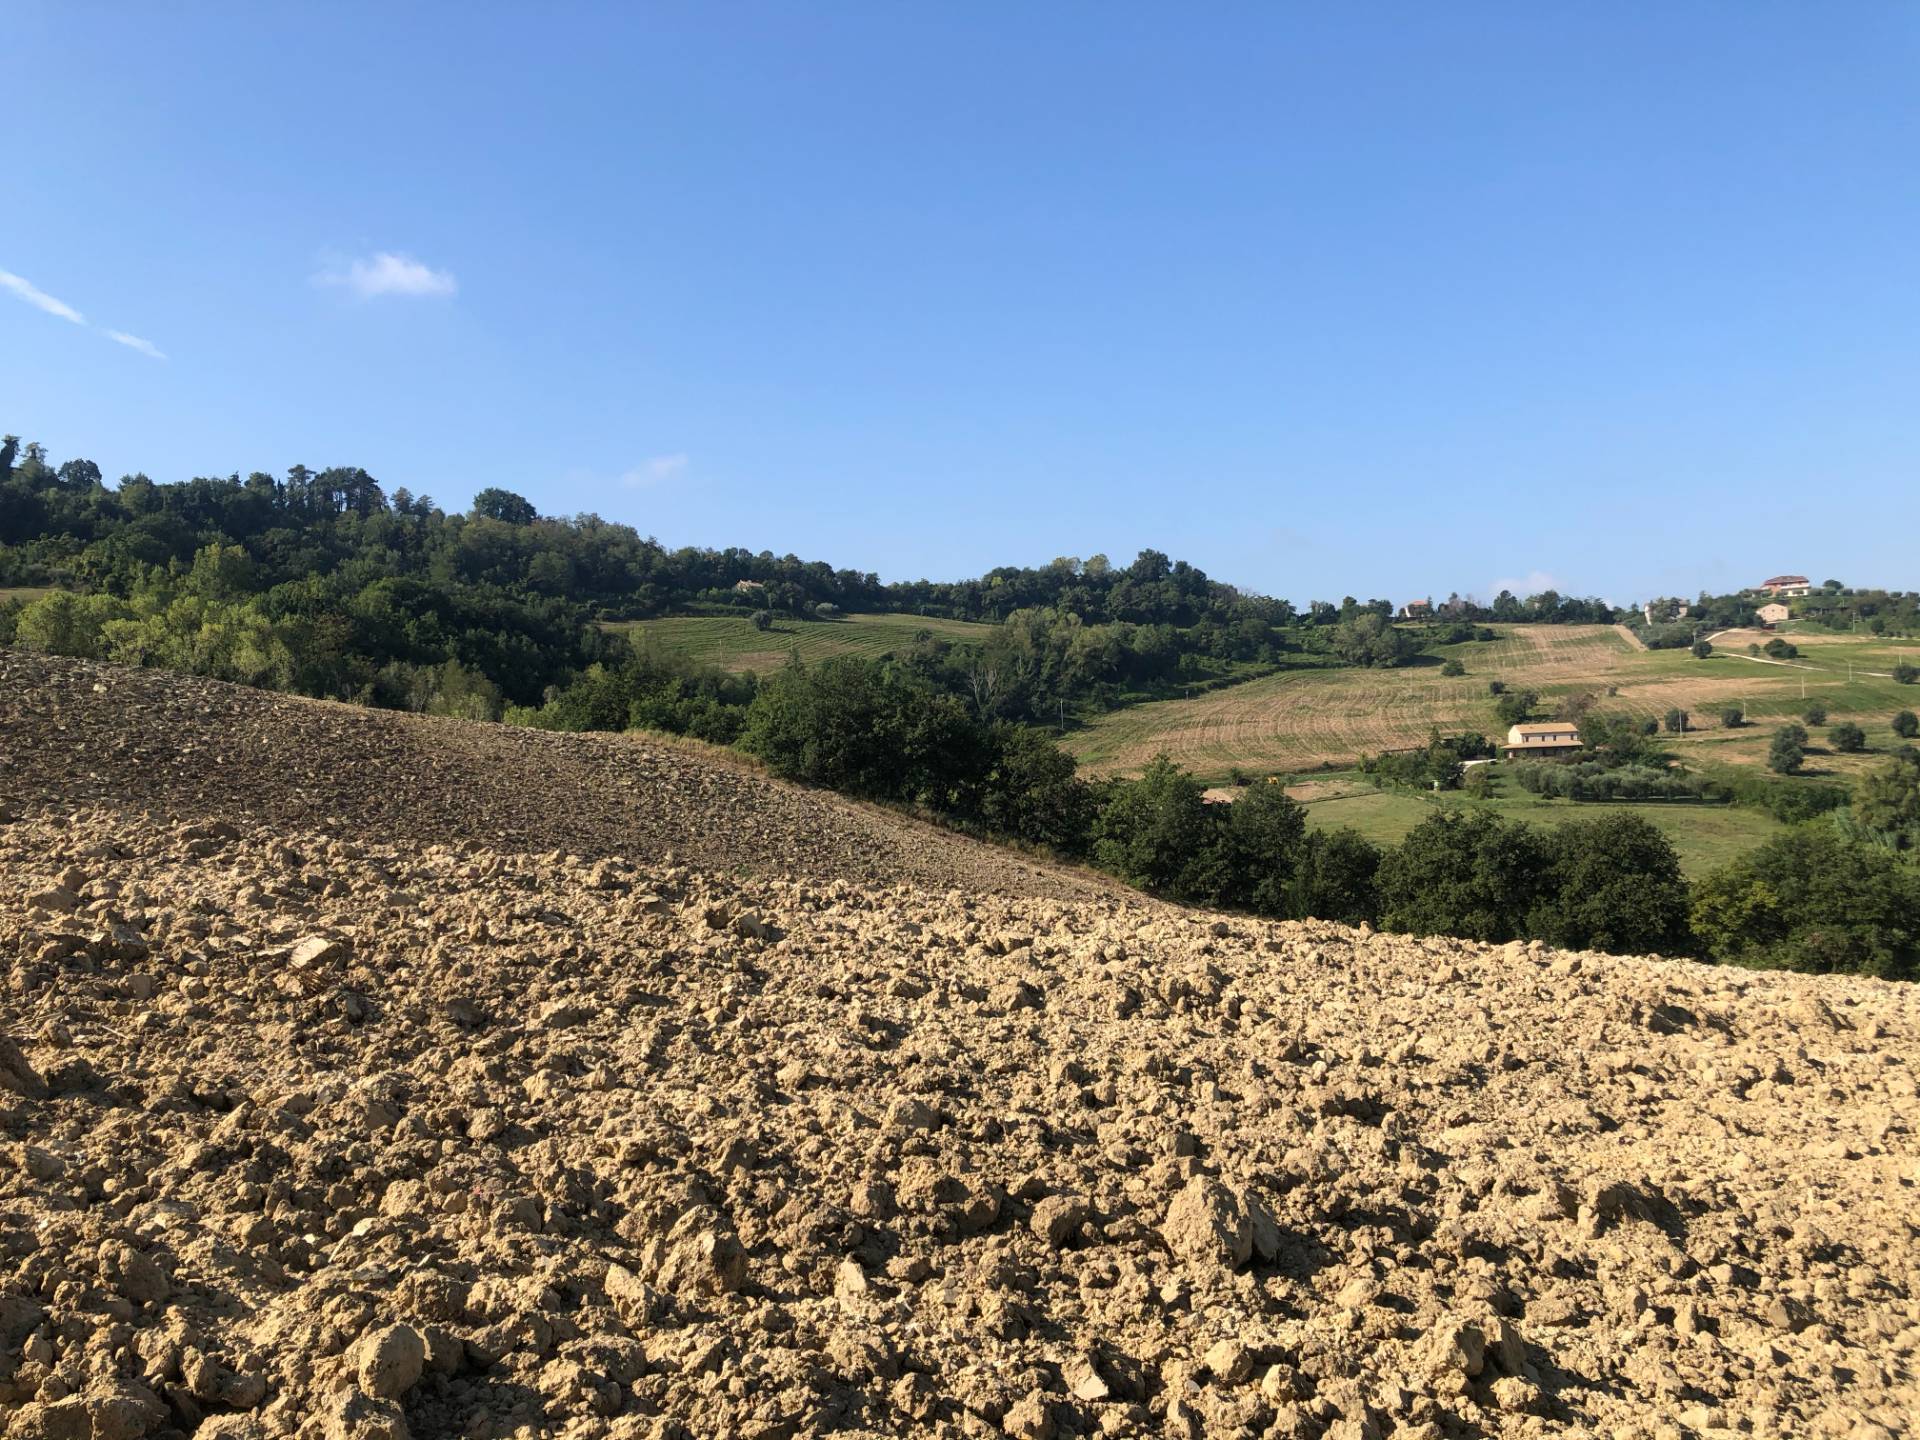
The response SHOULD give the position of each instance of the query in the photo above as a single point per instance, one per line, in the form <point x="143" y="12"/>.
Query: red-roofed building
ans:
<point x="1786" y="585"/>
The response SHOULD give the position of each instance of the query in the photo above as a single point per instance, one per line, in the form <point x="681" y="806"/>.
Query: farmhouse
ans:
<point x="1774" y="613"/>
<point x="1417" y="610"/>
<point x="1552" y="737"/>
<point x="747" y="587"/>
<point x="1786" y="585"/>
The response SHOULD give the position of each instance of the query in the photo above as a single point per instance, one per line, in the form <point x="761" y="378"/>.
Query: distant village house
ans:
<point x="1417" y="610"/>
<point x="1774" y="613"/>
<point x="747" y="587"/>
<point x="1786" y="585"/>
<point x="1550" y="737"/>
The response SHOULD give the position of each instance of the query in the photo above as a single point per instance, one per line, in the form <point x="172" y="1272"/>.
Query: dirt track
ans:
<point x="303" y="1132"/>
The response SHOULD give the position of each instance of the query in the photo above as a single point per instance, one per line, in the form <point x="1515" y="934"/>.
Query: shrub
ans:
<point x="1676" y="721"/>
<point x="1453" y="667"/>
<point x="1848" y="738"/>
<point x="763" y="619"/>
<point x="1905" y="674"/>
<point x="1815" y="714"/>
<point x="1815" y="901"/>
<point x="1906" y="725"/>
<point x="1733" y="717"/>
<point x="1496" y="687"/>
<point x="1702" y="649"/>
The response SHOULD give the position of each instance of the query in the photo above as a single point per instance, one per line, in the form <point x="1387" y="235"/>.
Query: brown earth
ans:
<point x="304" y="1131"/>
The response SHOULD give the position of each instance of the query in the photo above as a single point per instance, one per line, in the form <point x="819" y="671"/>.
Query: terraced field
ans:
<point x="731" y="643"/>
<point x="1305" y="720"/>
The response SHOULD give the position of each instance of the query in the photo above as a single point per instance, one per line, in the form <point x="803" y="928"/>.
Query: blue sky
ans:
<point x="1372" y="299"/>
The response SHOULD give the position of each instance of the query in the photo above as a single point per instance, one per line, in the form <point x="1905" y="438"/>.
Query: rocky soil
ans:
<point x="316" y="1127"/>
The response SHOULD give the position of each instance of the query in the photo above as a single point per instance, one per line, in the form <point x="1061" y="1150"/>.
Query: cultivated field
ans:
<point x="1303" y="720"/>
<point x="730" y="642"/>
<point x="23" y="593"/>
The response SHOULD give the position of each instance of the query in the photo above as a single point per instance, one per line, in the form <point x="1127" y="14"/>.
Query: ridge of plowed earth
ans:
<point x="307" y="1134"/>
<point x="75" y="732"/>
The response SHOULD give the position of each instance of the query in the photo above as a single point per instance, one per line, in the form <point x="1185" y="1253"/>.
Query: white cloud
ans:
<point x="1532" y="583"/>
<point x="388" y="273"/>
<point x="134" y="342"/>
<point x="657" y="471"/>
<point x="39" y="298"/>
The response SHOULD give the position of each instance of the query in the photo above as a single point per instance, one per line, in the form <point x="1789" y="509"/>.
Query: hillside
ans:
<point x="1298" y="720"/>
<point x="372" y="1076"/>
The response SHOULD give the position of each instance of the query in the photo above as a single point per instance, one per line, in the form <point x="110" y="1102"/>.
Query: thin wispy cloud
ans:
<point x="389" y="273"/>
<point x="655" y="471"/>
<point x="134" y="342"/>
<point x="38" y="298"/>
<point x="25" y="290"/>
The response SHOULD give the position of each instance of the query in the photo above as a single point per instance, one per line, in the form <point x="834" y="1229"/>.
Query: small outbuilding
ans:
<point x="1774" y="613"/>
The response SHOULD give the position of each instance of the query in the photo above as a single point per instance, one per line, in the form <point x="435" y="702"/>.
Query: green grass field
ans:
<point x="23" y="593"/>
<point x="729" y="642"/>
<point x="1705" y="836"/>
<point x="1299" y="721"/>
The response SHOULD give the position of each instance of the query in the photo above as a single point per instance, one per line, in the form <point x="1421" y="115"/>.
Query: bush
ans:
<point x="763" y="619"/>
<point x="1847" y="738"/>
<point x="1886" y="802"/>
<point x="1815" y="714"/>
<point x="1779" y="649"/>
<point x="1814" y="901"/>
<point x="1733" y="717"/>
<point x="1496" y="687"/>
<point x="1905" y="674"/>
<point x="1676" y="721"/>
<point x="1788" y="752"/>
<point x="1906" y="725"/>
<point x="1702" y="649"/>
<point x="1453" y="667"/>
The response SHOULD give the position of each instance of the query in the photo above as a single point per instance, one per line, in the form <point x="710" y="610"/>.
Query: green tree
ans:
<point x="1155" y="832"/>
<point x="1266" y="833"/>
<point x="1615" y="885"/>
<point x="1848" y="738"/>
<point x="1812" y="900"/>
<point x="1906" y="725"/>
<point x="1788" y="752"/>
<point x="1515" y="706"/>
<point x="1733" y="717"/>
<point x="1702" y="649"/>
<point x="1032" y="793"/>
<point x="1466" y="873"/>
<point x="1676" y="721"/>
<point x="1815" y="714"/>
<point x="1335" y="879"/>
<point x="1905" y="674"/>
<point x="1453" y="667"/>
<point x="494" y="503"/>
<point x="763" y="619"/>
<point x="1886" y="802"/>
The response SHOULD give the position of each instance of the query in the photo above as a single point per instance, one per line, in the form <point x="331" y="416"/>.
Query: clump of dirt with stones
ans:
<point x="307" y="1133"/>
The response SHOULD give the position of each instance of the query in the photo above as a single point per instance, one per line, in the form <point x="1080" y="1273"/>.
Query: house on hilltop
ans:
<point x="1417" y="610"/>
<point x="1774" y="613"/>
<point x="1548" y="738"/>
<point x="748" y="587"/>
<point x="1789" y="585"/>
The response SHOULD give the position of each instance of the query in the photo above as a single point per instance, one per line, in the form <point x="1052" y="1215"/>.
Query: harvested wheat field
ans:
<point x="337" y="1106"/>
